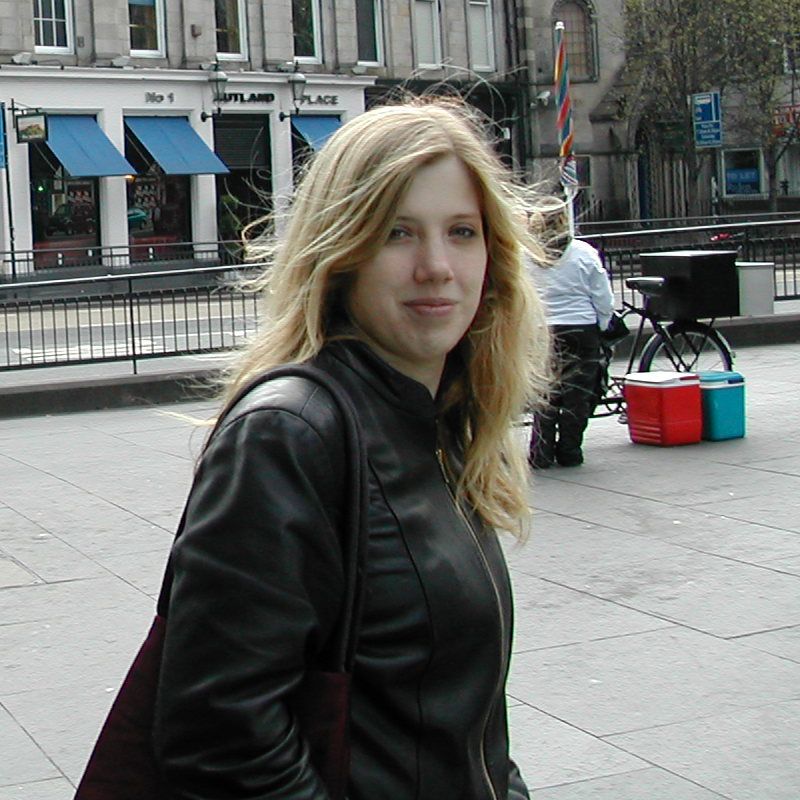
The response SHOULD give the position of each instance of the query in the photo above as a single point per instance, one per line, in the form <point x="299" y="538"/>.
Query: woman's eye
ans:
<point x="464" y="231"/>
<point x="397" y="233"/>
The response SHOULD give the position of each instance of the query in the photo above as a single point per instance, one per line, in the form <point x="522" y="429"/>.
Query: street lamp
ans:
<point x="297" y="83"/>
<point x="218" y="80"/>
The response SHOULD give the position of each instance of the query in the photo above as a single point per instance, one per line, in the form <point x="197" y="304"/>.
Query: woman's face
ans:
<point x="415" y="300"/>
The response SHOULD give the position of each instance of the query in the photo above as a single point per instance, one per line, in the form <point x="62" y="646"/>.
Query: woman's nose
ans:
<point x="433" y="261"/>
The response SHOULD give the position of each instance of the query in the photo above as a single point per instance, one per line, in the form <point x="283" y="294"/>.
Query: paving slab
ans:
<point x="23" y="759"/>
<point x="64" y="651"/>
<point x="750" y="754"/>
<point x="717" y="595"/>
<point x="657" y="647"/>
<point x="642" y="784"/>
<point x="784" y="642"/>
<point x="66" y="733"/>
<point x="549" y="751"/>
<point x="56" y="789"/>
<point x="551" y="615"/>
<point x="649" y="679"/>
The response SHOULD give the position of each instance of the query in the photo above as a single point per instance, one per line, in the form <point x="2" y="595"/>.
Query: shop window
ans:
<point x="369" y="27"/>
<point x="481" y="34"/>
<point x="245" y="194"/>
<point x="146" y="23"/>
<point x="427" y="38"/>
<point x="159" y="205"/>
<point x="305" y="26"/>
<point x="743" y="170"/>
<point x="579" y="35"/>
<point x="52" y="26"/>
<point x="230" y="21"/>
<point x="64" y="209"/>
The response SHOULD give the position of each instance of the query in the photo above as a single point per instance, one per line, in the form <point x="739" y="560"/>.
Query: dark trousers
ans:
<point x="557" y="433"/>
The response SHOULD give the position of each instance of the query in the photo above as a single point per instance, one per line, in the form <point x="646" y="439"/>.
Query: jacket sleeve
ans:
<point x="600" y="289"/>
<point x="256" y="591"/>
<point x="517" y="790"/>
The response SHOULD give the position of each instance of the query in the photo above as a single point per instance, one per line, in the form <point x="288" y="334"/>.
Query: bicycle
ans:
<point x="683" y="345"/>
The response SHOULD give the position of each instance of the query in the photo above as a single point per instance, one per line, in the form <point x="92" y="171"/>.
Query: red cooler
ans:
<point x="664" y="408"/>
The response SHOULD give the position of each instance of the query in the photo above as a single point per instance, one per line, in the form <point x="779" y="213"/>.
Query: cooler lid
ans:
<point x="720" y="376"/>
<point x="663" y="378"/>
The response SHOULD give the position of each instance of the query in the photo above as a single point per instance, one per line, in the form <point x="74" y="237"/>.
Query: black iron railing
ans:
<point x="47" y="261"/>
<point x="124" y="318"/>
<point x="776" y="241"/>
<point x="121" y="314"/>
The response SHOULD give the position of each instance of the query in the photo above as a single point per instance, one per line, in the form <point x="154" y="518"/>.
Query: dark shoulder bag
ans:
<point x="122" y="765"/>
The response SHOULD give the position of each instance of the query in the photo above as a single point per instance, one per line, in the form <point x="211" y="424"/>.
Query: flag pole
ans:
<point x="567" y="166"/>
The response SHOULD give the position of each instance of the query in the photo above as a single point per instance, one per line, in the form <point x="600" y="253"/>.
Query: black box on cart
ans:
<point x="699" y="283"/>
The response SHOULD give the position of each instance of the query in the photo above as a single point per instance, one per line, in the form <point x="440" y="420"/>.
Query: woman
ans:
<point x="399" y="274"/>
<point x="578" y="302"/>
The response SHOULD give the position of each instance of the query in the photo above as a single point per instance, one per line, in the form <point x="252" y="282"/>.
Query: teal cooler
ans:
<point x="723" y="405"/>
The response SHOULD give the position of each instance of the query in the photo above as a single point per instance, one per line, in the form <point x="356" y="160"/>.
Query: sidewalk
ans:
<point x="657" y="650"/>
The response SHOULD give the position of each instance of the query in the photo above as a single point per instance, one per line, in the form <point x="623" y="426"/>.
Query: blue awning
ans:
<point x="316" y="130"/>
<point x="84" y="151"/>
<point x="176" y="146"/>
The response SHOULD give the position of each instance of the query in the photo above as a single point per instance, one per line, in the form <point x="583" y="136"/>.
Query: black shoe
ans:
<point x="537" y="462"/>
<point x="573" y="458"/>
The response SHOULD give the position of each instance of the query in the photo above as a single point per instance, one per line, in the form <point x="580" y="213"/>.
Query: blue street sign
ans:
<point x="707" y="118"/>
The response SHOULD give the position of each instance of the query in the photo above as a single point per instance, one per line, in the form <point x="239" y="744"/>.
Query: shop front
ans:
<point x="264" y="137"/>
<point x="64" y="188"/>
<point x="165" y="152"/>
<point x="143" y="165"/>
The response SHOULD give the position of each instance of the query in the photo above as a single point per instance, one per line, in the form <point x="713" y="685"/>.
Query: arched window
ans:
<point x="579" y="34"/>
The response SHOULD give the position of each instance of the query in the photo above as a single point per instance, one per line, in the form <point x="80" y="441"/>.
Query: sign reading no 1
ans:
<point x="707" y="118"/>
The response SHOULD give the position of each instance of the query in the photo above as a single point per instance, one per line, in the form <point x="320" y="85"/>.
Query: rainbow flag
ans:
<point x="569" y="176"/>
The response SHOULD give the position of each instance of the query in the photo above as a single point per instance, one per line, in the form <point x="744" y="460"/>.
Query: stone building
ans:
<point x="629" y="167"/>
<point x="173" y="122"/>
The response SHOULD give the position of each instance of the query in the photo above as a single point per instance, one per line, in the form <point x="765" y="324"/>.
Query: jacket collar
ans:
<point x="395" y="387"/>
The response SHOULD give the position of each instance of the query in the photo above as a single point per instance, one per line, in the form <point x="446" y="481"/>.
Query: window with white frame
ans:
<point x="743" y="172"/>
<point x="52" y="26"/>
<point x="427" y="36"/>
<point x="481" y="34"/>
<point x="230" y="23"/>
<point x="146" y="23"/>
<point x="369" y="31"/>
<point x="579" y="35"/>
<point x="305" y="27"/>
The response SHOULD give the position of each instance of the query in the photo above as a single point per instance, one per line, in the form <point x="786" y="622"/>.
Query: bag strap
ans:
<point x="354" y="526"/>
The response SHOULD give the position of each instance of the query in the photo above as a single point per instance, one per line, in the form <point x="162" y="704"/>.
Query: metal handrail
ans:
<point x="128" y="317"/>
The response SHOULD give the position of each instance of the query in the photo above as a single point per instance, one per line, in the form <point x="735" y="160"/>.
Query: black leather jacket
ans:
<point x="257" y="582"/>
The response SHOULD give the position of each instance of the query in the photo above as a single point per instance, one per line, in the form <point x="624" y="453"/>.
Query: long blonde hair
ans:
<point x="342" y="213"/>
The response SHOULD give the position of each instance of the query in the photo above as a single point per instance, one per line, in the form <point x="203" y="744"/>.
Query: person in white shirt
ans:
<point x="579" y="303"/>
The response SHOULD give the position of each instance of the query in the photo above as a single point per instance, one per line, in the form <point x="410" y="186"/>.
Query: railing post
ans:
<point x="132" y="322"/>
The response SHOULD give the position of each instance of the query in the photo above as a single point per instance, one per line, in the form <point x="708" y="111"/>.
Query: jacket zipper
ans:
<point x="468" y="525"/>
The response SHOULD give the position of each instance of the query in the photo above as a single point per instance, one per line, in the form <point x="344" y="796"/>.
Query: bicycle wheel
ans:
<point x="692" y="347"/>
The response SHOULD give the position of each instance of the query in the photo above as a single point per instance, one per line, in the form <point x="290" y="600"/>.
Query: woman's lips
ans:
<point x="430" y="306"/>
